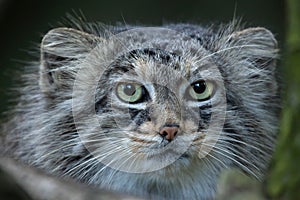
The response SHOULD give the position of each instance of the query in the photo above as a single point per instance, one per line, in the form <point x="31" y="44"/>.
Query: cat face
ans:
<point x="157" y="109"/>
<point x="149" y="100"/>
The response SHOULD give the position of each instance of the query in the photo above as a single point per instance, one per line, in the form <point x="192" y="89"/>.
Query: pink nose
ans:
<point x="169" y="132"/>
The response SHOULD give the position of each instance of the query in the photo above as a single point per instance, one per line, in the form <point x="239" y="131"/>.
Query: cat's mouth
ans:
<point x="163" y="148"/>
<point x="167" y="151"/>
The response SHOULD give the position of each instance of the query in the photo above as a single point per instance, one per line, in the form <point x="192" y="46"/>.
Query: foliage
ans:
<point x="284" y="181"/>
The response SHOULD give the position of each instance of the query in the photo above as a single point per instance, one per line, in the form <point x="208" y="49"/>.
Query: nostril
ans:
<point x="164" y="134"/>
<point x="169" y="132"/>
<point x="175" y="133"/>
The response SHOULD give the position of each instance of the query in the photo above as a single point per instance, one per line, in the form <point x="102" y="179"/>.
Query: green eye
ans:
<point x="201" y="90"/>
<point x="129" y="92"/>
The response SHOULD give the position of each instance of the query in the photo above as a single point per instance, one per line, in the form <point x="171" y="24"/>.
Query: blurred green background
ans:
<point x="22" y="24"/>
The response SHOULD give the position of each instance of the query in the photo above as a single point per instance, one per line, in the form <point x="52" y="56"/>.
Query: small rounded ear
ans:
<point x="258" y="36"/>
<point x="258" y="45"/>
<point x="61" y="48"/>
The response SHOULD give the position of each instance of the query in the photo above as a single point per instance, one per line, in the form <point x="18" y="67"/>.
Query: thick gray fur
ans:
<point x="41" y="130"/>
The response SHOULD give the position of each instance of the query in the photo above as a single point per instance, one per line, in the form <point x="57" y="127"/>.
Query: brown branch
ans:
<point x="40" y="186"/>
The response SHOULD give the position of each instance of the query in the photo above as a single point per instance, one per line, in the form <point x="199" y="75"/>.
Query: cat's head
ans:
<point x="152" y="98"/>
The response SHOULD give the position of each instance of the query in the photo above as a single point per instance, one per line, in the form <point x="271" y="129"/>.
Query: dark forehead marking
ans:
<point x="158" y="55"/>
<point x="123" y="63"/>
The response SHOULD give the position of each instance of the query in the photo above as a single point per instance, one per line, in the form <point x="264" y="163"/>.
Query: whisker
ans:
<point x="220" y="151"/>
<point x="224" y="50"/>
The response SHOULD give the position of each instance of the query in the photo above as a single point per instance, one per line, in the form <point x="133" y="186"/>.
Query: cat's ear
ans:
<point x="258" y="45"/>
<point x="61" y="49"/>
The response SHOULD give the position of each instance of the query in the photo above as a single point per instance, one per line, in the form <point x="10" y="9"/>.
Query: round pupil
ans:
<point x="129" y="89"/>
<point x="199" y="87"/>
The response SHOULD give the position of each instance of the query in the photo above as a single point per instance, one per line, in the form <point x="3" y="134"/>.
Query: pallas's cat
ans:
<point x="156" y="112"/>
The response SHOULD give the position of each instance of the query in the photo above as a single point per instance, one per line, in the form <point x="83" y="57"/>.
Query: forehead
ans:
<point x="160" y="67"/>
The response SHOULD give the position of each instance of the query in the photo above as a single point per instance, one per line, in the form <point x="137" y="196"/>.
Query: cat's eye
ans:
<point x="129" y="92"/>
<point x="201" y="90"/>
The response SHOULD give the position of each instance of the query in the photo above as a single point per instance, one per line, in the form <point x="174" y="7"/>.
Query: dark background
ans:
<point x="22" y="23"/>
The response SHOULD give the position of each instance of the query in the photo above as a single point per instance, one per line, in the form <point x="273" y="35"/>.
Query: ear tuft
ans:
<point x="258" y="45"/>
<point x="259" y="42"/>
<point x="61" y="48"/>
<point x="258" y="36"/>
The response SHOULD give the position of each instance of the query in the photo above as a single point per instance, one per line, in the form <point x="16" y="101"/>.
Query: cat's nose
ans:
<point x="169" y="132"/>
